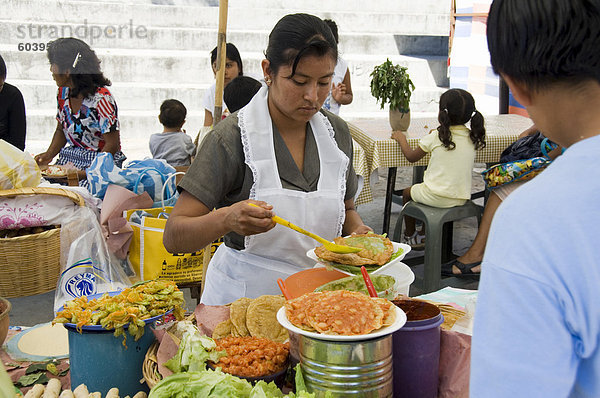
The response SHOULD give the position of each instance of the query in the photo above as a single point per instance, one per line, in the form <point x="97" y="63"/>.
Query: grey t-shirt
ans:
<point x="174" y="147"/>
<point x="219" y="176"/>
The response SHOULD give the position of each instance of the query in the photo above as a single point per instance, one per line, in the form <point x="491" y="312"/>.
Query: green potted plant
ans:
<point x="391" y="84"/>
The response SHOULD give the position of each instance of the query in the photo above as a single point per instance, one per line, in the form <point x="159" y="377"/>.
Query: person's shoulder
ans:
<point x="104" y="92"/>
<point x="12" y="92"/>
<point x="227" y="133"/>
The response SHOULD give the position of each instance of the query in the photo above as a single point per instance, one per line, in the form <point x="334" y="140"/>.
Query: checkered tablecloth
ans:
<point x="373" y="135"/>
<point x="362" y="170"/>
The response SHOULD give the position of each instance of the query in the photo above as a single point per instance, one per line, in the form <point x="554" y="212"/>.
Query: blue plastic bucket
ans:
<point x="100" y="361"/>
<point x="417" y="350"/>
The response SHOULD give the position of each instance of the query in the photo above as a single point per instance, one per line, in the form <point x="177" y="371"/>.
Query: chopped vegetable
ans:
<point x="130" y="307"/>
<point x="194" y="350"/>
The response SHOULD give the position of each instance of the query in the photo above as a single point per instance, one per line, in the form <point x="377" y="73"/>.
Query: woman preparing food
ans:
<point x="87" y="112"/>
<point x="282" y="153"/>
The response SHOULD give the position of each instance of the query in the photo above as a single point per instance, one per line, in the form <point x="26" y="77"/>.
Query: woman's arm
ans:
<point x="58" y="141"/>
<point x="111" y="141"/>
<point x="208" y="118"/>
<point x="353" y="222"/>
<point x="342" y="92"/>
<point x="412" y="155"/>
<point x="192" y="226"/>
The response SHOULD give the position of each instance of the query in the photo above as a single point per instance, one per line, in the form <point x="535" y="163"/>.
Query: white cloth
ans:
<point x="210" y="98"/>
<point x="339" y="72"/>
<point x="279" y="252"/>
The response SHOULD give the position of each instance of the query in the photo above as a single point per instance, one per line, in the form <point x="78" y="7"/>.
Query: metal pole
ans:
<point x="221" y="59"/>
<point x="503" y="97"/>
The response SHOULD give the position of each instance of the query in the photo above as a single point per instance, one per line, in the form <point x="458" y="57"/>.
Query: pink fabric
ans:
<point x="209" y="316"/>
<point x="35" y="211"/>
<point x="116" y="230"/>
<point x="455" y="365"/>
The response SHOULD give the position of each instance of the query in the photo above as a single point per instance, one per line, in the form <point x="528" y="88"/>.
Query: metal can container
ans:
<point x="347" y="368"/>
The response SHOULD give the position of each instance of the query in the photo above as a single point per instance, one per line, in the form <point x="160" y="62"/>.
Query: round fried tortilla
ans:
<point x="389" y="310"/>
<point x="238" y="317"/>
<point x="223" y="329"/>
<point x="261" y="318"/>
<point x="342" y="312"/>
<point x="363" y="257"/>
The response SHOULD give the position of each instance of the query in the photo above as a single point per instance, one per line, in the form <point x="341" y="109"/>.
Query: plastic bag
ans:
<point x="86" y="266"/>
<point x="139" y="175"/>
<point x="18" y="169"/>
<point x="519" y="170"/>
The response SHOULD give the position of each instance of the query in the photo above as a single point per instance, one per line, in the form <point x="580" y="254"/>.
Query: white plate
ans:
<point x="398" y="323"/>
<point x="321" y="263"/>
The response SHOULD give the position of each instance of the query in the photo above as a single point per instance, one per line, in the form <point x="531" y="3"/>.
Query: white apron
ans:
<point x="279" y="252"/>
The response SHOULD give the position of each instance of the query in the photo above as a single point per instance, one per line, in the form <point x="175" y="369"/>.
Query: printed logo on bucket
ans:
<point x="82" y="284"/>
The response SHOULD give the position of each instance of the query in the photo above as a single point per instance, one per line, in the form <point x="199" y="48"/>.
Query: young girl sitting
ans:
<point x="447" y="180"/>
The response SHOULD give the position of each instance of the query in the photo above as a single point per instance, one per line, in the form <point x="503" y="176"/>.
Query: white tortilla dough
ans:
<point x="47" y="340"/>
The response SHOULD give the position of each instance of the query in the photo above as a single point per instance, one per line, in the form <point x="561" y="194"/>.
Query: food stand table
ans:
<point x="373" y="135"/>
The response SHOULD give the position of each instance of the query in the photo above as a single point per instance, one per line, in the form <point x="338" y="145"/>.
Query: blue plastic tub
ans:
<point x="99" y="360"/>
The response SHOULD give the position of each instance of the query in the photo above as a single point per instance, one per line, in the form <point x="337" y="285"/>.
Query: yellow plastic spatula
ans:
<point x="332" y="247"/>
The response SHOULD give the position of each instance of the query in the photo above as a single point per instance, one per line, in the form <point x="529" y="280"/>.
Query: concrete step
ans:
<point x="204" y="39"/>
<point x="429" y="6"/>
<point x="139" y="123"/>
<point x="193" y="67"/>
<point x="131" y="96"/>
<point x="136" y="19"/>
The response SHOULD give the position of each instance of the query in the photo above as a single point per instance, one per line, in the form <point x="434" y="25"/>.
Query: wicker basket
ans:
<point x="150" y="366"/>
<point x="30" y="264"/>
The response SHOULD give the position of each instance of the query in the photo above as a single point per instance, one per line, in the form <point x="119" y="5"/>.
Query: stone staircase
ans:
<point x="158" y="49"/>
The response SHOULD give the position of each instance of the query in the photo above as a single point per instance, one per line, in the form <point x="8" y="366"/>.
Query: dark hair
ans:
<point x="2" y="68"/>
<point x="296" y="36"/>
<point x="75" y="56"/>
<point x="232" y="53"/>
<point x="172" y="113"/>
<point x="457" y="107"/>
<point x="539" y="42"/>
<point x="239" y="92"/>
<point x="334" y="29"/>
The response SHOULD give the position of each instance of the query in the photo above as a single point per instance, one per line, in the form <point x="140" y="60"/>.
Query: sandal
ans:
<point x="415" y="241"/>
<point x="465" y="269"/>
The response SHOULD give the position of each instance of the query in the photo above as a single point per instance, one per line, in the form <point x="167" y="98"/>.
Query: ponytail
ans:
<point x="443" y="129"/>
<point x="477" y="133"/>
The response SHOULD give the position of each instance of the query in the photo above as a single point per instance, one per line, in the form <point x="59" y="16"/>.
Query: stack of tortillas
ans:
<point x="253" y="317"/>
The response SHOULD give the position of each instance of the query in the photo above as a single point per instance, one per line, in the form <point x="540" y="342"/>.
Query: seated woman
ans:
<point x="87" y="112"/>
<point x="469" y="264"/>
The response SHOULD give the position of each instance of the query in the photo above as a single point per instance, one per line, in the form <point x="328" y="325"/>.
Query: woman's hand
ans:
<point x="43" y="159"/>
<point x="246" y="220"/>
<point x="362" y="229"/>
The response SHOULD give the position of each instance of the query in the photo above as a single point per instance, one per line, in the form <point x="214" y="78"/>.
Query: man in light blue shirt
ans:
<point x="537" y="324"/>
